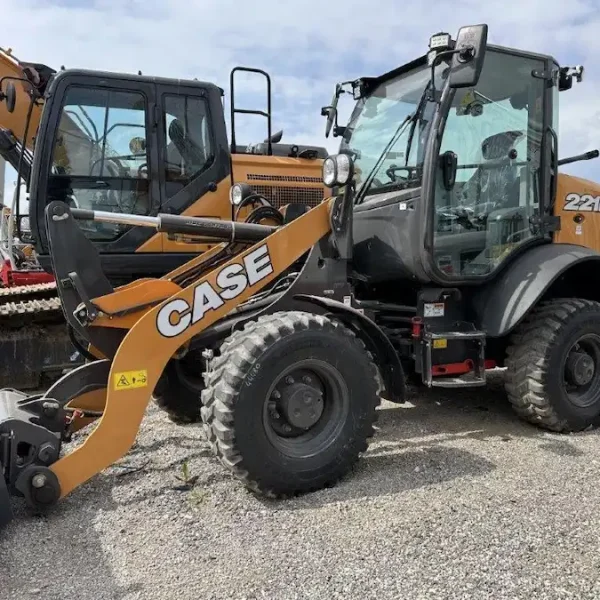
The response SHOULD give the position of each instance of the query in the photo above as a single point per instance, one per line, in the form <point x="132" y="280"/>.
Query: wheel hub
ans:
<point x="301" y="404"/>
<point x="580" y="368"/>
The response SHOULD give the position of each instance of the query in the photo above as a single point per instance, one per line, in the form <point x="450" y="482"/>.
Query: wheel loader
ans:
<point x="448" y="245"/>
<point x="126" y="144"/>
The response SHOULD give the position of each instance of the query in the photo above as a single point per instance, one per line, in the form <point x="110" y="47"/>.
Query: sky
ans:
<point x="306" y="46"/>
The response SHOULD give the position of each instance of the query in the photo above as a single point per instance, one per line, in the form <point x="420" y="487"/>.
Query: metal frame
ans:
<point x="246" y="111"/>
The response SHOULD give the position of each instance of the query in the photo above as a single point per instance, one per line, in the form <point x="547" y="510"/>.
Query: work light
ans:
<point x="439" y="41"/>
<point x="238" y="192"/>
<point x="337" y="170"/>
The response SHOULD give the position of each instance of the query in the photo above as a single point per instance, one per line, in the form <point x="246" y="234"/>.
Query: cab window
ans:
<point x="99" y="158"/>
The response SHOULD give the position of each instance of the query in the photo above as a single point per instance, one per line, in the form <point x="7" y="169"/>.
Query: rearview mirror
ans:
<point x="467" y="63"/>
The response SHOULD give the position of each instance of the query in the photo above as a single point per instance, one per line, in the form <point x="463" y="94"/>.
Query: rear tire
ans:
<point x="254" y="410"/>
<point x="553" y="366"/>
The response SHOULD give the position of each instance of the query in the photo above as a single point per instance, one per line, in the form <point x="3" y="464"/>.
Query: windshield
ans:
<point x="389" y="115"/>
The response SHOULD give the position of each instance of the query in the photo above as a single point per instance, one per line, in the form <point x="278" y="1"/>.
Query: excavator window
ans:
<point x="100" y="159"/>
<point x="495" y="131"/>
<point x="189" y="140"/>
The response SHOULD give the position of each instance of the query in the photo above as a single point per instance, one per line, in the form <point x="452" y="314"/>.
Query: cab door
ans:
<point x="496" y="133"/>
<point x="102" y="155"/>
<point x="194" y="162"/>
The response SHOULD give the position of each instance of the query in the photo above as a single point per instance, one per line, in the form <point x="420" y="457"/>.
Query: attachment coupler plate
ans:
<point x="30" y="441"/>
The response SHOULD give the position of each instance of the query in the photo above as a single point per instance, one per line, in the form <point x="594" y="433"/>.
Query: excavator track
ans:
<point x="27" y="290"/>
<point x="30" y="307"/>
<point x="35" y="348"/>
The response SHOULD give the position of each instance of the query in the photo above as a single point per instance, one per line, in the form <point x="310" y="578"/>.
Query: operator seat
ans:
<point x="192" y="154"/>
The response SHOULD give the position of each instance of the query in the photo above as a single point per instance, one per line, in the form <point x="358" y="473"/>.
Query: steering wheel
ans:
<point x="391" y="172"/>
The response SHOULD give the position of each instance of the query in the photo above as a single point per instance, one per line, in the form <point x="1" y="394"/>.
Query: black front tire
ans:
<point x="536" y="383"/>
<point x="238" y="403"/>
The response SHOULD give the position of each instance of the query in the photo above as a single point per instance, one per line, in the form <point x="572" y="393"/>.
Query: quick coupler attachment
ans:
<point x="32" y="429"/>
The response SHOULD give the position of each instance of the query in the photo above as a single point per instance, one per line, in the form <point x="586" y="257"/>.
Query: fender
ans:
<point x="376" y="341"/>
<point x="501" y="305"/>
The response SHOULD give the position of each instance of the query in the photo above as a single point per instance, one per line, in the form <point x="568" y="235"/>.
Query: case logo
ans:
<point x="582" y="203"/>
<point x="176" y="316"/>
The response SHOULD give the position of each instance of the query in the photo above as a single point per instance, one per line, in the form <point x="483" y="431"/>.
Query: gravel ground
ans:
<point x="456" y="498"/>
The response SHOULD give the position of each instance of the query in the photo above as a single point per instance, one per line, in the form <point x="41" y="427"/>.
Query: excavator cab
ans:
<point x="138" y="145"/>
<point x="127" y="144"/>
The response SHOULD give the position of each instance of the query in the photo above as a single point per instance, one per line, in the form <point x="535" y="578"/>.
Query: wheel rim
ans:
<point x="581" y="371"/>
<point x="305" y="408"/>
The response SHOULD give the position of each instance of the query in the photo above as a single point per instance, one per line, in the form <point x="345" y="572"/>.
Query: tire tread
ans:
<point x="226" y="376"/>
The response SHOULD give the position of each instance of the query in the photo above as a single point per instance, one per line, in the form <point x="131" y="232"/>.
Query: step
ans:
<point x="454" y="335"/>
<point x="458" y="382"/>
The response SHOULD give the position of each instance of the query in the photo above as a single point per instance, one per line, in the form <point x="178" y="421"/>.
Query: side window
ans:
<point x="189" y="141"/>
<point x="495" y="130"/>
<point x="100" y="160"/>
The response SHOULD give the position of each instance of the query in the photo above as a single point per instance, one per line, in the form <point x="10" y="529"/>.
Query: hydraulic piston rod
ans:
<point x="199" y="226"/>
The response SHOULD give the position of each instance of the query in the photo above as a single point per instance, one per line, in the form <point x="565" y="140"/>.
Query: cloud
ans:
<point x="306" y="46"/>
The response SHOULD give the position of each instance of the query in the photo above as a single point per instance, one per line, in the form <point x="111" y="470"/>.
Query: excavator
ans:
<point x="450" y="243"/>
<point x="123" y="143"/>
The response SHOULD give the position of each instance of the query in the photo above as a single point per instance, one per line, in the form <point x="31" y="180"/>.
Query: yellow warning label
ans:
<point x="129" y="380"/>
<point x="440" y="344"/>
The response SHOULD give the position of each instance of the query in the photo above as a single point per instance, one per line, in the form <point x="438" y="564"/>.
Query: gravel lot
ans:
<point x="456" y="498"/>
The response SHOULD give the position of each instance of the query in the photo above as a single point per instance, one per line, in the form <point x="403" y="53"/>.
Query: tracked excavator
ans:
<point x="123" y="144"/>
<point x="450" y="243"/>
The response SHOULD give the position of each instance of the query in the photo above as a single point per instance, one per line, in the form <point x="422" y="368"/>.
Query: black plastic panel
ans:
<point x="502" y="304"/>
<point x="386" y="232"/>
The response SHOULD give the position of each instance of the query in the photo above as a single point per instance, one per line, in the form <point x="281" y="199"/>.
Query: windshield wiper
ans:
<point x="418" y="116"/>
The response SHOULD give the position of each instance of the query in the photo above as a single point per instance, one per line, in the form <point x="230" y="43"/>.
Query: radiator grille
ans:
<point x="287" y="178"/>
<point x="279" y="196"/>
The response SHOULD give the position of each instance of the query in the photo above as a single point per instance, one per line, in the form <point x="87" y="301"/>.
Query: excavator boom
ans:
<point x="30" y="79"/>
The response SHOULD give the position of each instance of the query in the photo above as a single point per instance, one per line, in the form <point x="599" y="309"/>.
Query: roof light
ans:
<point x="439" y="41"/>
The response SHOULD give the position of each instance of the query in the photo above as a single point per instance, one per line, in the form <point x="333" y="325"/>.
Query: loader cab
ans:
<point x="452" y="174"/>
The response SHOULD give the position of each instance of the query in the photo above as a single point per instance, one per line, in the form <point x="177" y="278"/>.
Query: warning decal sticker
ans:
<point x="128" y="380"/>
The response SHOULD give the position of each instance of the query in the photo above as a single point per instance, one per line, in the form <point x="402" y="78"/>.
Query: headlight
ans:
<point x="337" y="170"/>
<point x="238" y="192"/>
<point x="329" y="171"/>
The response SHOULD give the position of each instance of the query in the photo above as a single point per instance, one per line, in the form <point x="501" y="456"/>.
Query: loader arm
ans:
<point x="146" y="323"/>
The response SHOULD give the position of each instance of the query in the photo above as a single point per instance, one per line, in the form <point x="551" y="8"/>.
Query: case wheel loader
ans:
<point x="450" y="244"/>
<point x="123" y="143"/>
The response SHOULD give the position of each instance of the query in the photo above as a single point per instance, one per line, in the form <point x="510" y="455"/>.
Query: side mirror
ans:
<point x="11" y="97"/>
<point x="331" y="111"/>
<point x="449" y="166"/>
<point x="467" y="63"/>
